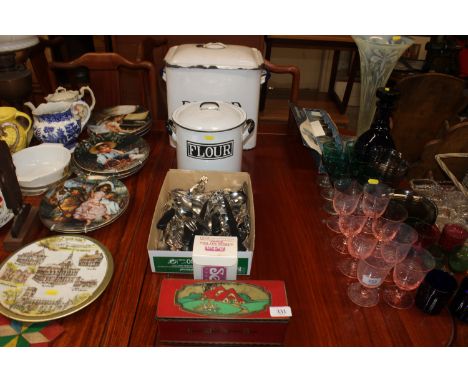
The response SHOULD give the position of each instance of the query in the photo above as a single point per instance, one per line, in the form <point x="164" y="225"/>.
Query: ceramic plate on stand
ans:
<point x="5" y="214"/>
<point x="122" y="119"/>
<point x="83" y="204"/>
<point x="53" y="278"/>
<point x="111" y="154"/>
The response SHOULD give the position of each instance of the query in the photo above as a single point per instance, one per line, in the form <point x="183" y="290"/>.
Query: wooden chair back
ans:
<point x="426" y="101"/>
<point x="153" y="49"/>
<point x="104" y="78"/>
<point x="295" y="79"/>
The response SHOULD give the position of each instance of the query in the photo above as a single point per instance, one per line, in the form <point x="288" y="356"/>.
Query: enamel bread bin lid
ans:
<point x="209" y="116"/>
<point x="214" y="55"/>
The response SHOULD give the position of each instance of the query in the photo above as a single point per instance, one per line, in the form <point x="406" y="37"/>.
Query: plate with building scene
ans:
<point x="83" y="204"/>
<point x="111" y="154"/>
<point x="122" y="119"/>
<point x="54" y="277"/>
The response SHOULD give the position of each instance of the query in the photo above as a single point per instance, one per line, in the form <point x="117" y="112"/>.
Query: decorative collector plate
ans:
<point x="83" y="204"/>
<point x="111" y="154"/>
<point x="5" y="214"/>
<point x="122" y="119"/>
<point x="53" y="278"/>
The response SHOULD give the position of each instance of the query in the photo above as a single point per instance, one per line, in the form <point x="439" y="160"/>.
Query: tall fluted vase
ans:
<point x="378" y="56"/>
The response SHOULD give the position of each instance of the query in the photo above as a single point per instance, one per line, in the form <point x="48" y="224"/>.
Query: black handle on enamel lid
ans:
<point x="209" y="103"/>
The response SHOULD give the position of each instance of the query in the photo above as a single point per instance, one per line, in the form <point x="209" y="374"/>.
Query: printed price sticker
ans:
<point x="280" y="311"/>
<point x="371" y="281"/>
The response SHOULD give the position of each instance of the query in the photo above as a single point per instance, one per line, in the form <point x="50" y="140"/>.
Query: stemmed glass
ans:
<point x="375" y="199"/>
<point x="395" y="251"/>
<point x="386" y="226"/>
<point x="349" y="226"/>
<point x="346" y="196"/>
<point x="407" y="276"/>
<point x="371" y="273"/>
<point x="360" y="246"/>
<point x="336" y="163"/>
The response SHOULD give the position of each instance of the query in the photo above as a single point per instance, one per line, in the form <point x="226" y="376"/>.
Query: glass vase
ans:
<point x="378" y="56"/>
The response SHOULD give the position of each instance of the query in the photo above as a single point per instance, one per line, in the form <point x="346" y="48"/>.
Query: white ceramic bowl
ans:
<point x="42" y="165"/>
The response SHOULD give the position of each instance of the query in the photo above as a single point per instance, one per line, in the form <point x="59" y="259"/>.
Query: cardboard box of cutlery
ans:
<point x="248" y="312"/>
<point x="164" y="259"/>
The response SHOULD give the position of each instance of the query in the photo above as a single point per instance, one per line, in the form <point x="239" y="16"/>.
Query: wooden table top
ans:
<point x="292" y="244"/>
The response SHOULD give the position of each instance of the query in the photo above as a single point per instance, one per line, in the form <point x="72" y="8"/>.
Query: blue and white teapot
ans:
<point x="60" y="122"/>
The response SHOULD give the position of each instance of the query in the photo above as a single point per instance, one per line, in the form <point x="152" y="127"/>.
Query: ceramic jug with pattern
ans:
<point x="60" y="122"/>
<point x="14" y="133"/>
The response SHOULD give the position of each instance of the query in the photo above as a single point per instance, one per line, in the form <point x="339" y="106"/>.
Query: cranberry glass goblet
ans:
<point x="407" y="276"/>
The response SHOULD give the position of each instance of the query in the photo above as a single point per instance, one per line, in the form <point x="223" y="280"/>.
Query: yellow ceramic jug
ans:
<point x="12" y="131"/>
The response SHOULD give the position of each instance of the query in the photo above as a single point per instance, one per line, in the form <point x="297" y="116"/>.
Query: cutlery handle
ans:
<point x="168" y="215"/>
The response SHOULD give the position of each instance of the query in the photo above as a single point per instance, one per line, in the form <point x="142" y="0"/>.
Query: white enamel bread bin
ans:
<point x="215" y="71"/>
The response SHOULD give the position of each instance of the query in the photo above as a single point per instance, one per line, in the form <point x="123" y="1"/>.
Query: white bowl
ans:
<point x="42" y="165"/>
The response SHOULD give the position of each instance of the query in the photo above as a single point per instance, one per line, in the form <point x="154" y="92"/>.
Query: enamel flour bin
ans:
<point x="214" y="71"/>
<point x="210" y="135"/>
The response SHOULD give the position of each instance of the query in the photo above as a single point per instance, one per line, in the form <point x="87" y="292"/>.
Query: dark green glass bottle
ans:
<point x="379" y="132"/>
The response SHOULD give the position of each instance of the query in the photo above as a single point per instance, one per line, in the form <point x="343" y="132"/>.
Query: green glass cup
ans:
<point x="458" y="258"/>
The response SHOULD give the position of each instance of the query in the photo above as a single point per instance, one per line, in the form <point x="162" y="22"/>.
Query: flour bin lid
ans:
<point x="214" y="55"/>
<point x="209" y="116"/>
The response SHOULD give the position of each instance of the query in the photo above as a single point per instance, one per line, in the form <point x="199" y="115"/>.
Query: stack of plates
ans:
<point x="122" y="119"/>
<point x="108" y="155"/>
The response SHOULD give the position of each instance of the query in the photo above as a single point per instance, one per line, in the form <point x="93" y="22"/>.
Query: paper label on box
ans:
<point x="280" y="311"/>
<point x="214" y="273"/>
<point x="215" y="246"/>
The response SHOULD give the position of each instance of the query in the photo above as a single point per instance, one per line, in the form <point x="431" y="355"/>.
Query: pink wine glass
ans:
<point x="371" y="273"/>
<point x="360" y="246"/>
<point x="349" y="226"/>
<point x="386" y="227"/>
<point x="375" y="198"/>
<point x="395" y="251"/>
<point x="332" y="223"/>
<point x="407" y="275"/>
<point x="346" y="196"/>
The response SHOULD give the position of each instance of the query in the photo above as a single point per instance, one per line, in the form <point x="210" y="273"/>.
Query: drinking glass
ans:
<point x="375" y="199"/>
<point x="349" y="225"/>
<point x="332" y="223"/>
<point x="407" y="276"/>
<point x="458" y="258"/>
<point x="452" y="235"/>
<point x="360" y="246"/>
<point x="347" y="193"/>
<point x="395" y="251"/>
<point x="323" y="180"/>
<point x="386" y="227"/>
<point x="336" y="164"/>
<point x="371" y="273"/>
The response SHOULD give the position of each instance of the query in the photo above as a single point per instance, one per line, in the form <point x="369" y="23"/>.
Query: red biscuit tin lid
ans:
<point x="203" y="299"/>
